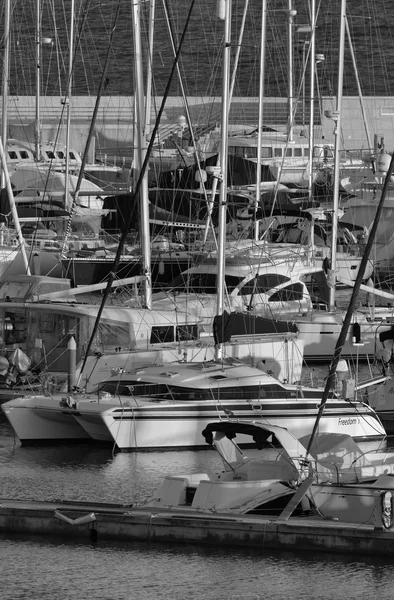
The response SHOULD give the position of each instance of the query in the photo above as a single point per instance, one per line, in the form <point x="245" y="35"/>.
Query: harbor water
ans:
<point x="34" y="567"/>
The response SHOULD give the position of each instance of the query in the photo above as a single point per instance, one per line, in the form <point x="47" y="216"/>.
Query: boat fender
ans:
<point x="71" y="402"/>
<point x="387" y="512"/>
<point x="356" y="333"/>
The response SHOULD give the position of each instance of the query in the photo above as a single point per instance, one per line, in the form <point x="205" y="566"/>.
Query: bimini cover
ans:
<point x="260" y="434"/>
<point x="338" y="447"/>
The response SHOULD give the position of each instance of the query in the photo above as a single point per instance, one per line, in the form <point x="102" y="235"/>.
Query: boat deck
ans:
<point x="97" y="522"/>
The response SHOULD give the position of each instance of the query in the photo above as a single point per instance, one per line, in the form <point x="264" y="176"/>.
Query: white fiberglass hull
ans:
<point x="92" y="423"/>
<point x="320" y="332"/>
<point x="153" y="425"/>
<point x="37" y="420"/>
<point x="348" y="503"/>
<point x="180" y="427"/>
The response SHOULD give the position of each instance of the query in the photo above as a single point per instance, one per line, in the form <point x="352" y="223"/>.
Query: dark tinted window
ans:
<point x="202" y="283"/>
<point x="186" y="332"/>
<point x="161" y="334"/>
<point x="290" y="293"/>
<point x="166" y="391"/>
<point x="263" y="283"/>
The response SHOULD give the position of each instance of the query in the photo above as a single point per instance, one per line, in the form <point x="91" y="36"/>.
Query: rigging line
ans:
<point x="78" y="41"/>
<point x="188" y="117"/>
<point x="352" y="304"/>
<point x="361" y="415"/>
<point x="59" y="128"/>
<point x="122" y="240"/>
<point x="90" y="134"/>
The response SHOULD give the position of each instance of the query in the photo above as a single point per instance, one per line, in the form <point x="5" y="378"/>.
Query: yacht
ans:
<point x="277" y="285"/>
<point x="167" y="406"/>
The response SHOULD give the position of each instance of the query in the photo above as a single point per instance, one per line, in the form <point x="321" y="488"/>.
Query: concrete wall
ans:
<point x="114" y="124"/>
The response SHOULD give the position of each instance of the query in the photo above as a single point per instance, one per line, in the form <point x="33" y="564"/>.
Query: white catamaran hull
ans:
<point x="162" y="425"/>
<point x="41" y="424"/>
<point x="136" y="429"/>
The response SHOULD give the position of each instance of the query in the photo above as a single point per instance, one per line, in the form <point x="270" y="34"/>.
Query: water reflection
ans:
<point x="121" y="571"/>
<point x="91" y="473"/>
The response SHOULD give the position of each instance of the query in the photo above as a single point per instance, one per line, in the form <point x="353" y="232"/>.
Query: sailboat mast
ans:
<point x="360" y="94"/>
<point x="312" y="100"/>
<point x="151" y="32"/>
<point x="290" y="28"/>
<point x="224" y="13"/>
<point x="337" y="132"/>
<point x="129" y="218"/>
<point x="68" y="102"/>
<point x="37" y="140"/>
<point x="6" y="69"/>
<point x="141" y="153"/>
<point x="261" y="111"/>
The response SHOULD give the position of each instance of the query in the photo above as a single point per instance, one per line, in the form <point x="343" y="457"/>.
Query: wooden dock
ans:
<point x="97" y="522"/>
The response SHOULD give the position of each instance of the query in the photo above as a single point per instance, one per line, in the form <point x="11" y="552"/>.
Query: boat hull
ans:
<point x="152" y="426"/>
<point x="41" y="424"/>
<point x="169" y="427"/>
<point x="320" y="331"/>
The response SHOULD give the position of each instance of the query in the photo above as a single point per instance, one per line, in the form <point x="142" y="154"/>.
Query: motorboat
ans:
<point x="167" y="406"/>
<point x="277" y="476"/>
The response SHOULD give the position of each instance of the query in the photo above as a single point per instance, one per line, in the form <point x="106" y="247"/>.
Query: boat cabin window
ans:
<point x="24" y="154"/>
<point x="290" y="293"/>
<point x="278" y="152"/>
<point x="186" y="332"/>
<point x="250" y="152"/>
<point x="14" y="289"/>
<point x="262" y="284"/>
<point x="12" y="155"/>
<point x="266" y="152"/>
<point x="131" y="387"/>
<point x="72" y="155"/>
<point x="51" y="155"/>
<point x="111" y="334"/>
<point x="44" y="335"/>
<point x="60" y="154"/>
<point x="202" y="283"/>
<point x="162" y="334"/>
<point x="183" y="394"/>
<point x="298" y="152"/>
<point x="289" y="152"/>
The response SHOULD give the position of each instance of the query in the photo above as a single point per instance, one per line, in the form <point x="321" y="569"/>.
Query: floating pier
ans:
<point x="99" y="522"/>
